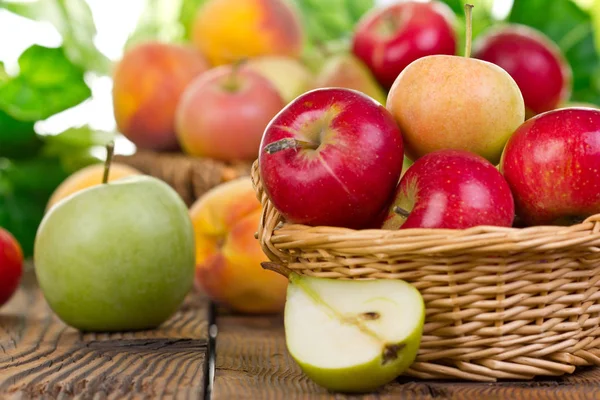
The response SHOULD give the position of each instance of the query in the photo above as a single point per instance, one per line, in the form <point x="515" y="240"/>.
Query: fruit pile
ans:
<point x="397" y="132"/>
<point x="334" y="157"/>
<point x="213" y="96"/>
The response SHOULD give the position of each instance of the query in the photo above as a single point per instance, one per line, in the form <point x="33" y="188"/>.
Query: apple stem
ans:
<point x="469" y="33"/>
<point x="280" y="269"/>
<point x="401" y="212"/>
<point x="289" y="143"/>
<point x="110" y="150"/>
<point x="232" y="83"/>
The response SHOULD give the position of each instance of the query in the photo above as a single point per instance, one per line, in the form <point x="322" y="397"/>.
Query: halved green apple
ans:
<point x="353" y="336"/>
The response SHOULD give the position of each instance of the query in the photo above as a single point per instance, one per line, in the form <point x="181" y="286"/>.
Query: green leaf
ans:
<point x="40" y="175"/>
<point x="3" y="75"/>
<point x="328" y="24"/>
<point x="159" y="21"/>
<point x="595" y="12"/>
<point x="326" y="20"/>
<point x="21" y="214"/>
<point x="79" y="137"/>
<point x="456" y="5"/>
<point x="48" y="83"/>
<point x="17" y="138"/>
<point x="571" y="28"/>
<point x="25" y="188"/>
<point x="73" y="20"/>
<point x="187" y="14"/>
<point x="357" y="8"/>
<point x="73" y="146"/>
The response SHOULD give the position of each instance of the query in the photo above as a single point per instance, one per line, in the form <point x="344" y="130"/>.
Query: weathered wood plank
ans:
<point x="40" y="357"/>
<point x="253" y="363"/>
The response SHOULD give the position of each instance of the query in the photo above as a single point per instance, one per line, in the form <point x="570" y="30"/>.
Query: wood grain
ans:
<point x="40" y="357"/>
<point x="253" y="363"/>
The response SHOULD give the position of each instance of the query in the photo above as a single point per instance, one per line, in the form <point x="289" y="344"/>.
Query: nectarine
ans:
<point x="148" y="82"/>
<point x="229" y="30"/>
<point x="228" y="256"/>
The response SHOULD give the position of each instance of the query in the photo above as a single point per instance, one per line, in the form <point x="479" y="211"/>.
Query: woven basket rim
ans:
<point x="275" y="234"/>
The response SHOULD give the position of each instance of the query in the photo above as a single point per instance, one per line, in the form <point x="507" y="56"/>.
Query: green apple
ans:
<point x="116" y="257"/>
<point x="353" y="336"/>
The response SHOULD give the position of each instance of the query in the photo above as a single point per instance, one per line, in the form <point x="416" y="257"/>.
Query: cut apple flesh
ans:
<point x="345" y="327"/>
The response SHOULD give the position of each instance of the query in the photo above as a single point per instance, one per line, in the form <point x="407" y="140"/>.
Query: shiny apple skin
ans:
<point x="552" y="164"/>
<point x="452" y="189"/>
<point x="353" y="173"/>
<point x="535" y="63"/>
<point x="422" y="29"/>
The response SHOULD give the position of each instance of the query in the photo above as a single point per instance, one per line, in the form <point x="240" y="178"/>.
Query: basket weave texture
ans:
<point x="191" y="177"/>
<point x="501" y="303"/>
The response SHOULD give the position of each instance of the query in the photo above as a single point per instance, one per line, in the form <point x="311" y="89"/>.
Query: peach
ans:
<point x="228" y="256"/>
<point x="229" y="30"/>
<point x="87" y="177"/>
<point x="148" y="82"/>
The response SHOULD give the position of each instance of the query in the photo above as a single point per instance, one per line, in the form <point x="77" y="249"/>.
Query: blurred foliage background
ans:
<point x="51" y="80"/>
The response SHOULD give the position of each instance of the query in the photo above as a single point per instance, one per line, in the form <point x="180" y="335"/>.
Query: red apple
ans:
<point x="331" y="157"/>
<point x="452" y="189"/>
<point x="533" y="60"/>
<point x="552" y="164"/>
<point x="387" y="39"/>
<point x="223" y="113"/>
<point x="11" y="265"/>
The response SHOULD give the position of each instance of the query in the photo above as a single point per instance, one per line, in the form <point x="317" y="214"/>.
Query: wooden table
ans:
<point x="40" y="357"/>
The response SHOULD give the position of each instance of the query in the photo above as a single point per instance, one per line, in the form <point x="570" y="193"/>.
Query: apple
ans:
<point x="116" y="257"/>
<point x="451" y="189"/>
<point x="331" y="157"/>
<point x="552" y="164"/>
<point x="85" y="177"/>
<point x="222" y="114"/>
<point x="11" y="265"/>
<point x="352" y="336"/>
<point x="454" y="102"/>
<point x="288" y="75"/>
<point x="345" y="70"/>
<point x="534" y="61"/>
<point x="389" y="38"/>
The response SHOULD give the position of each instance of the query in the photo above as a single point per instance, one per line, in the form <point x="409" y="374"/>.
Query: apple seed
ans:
<point x="370" y="315"/>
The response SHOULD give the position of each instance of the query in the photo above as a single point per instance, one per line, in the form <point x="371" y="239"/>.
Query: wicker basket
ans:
<point x="501" y="303"/>
<point x="191" y="177"/>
